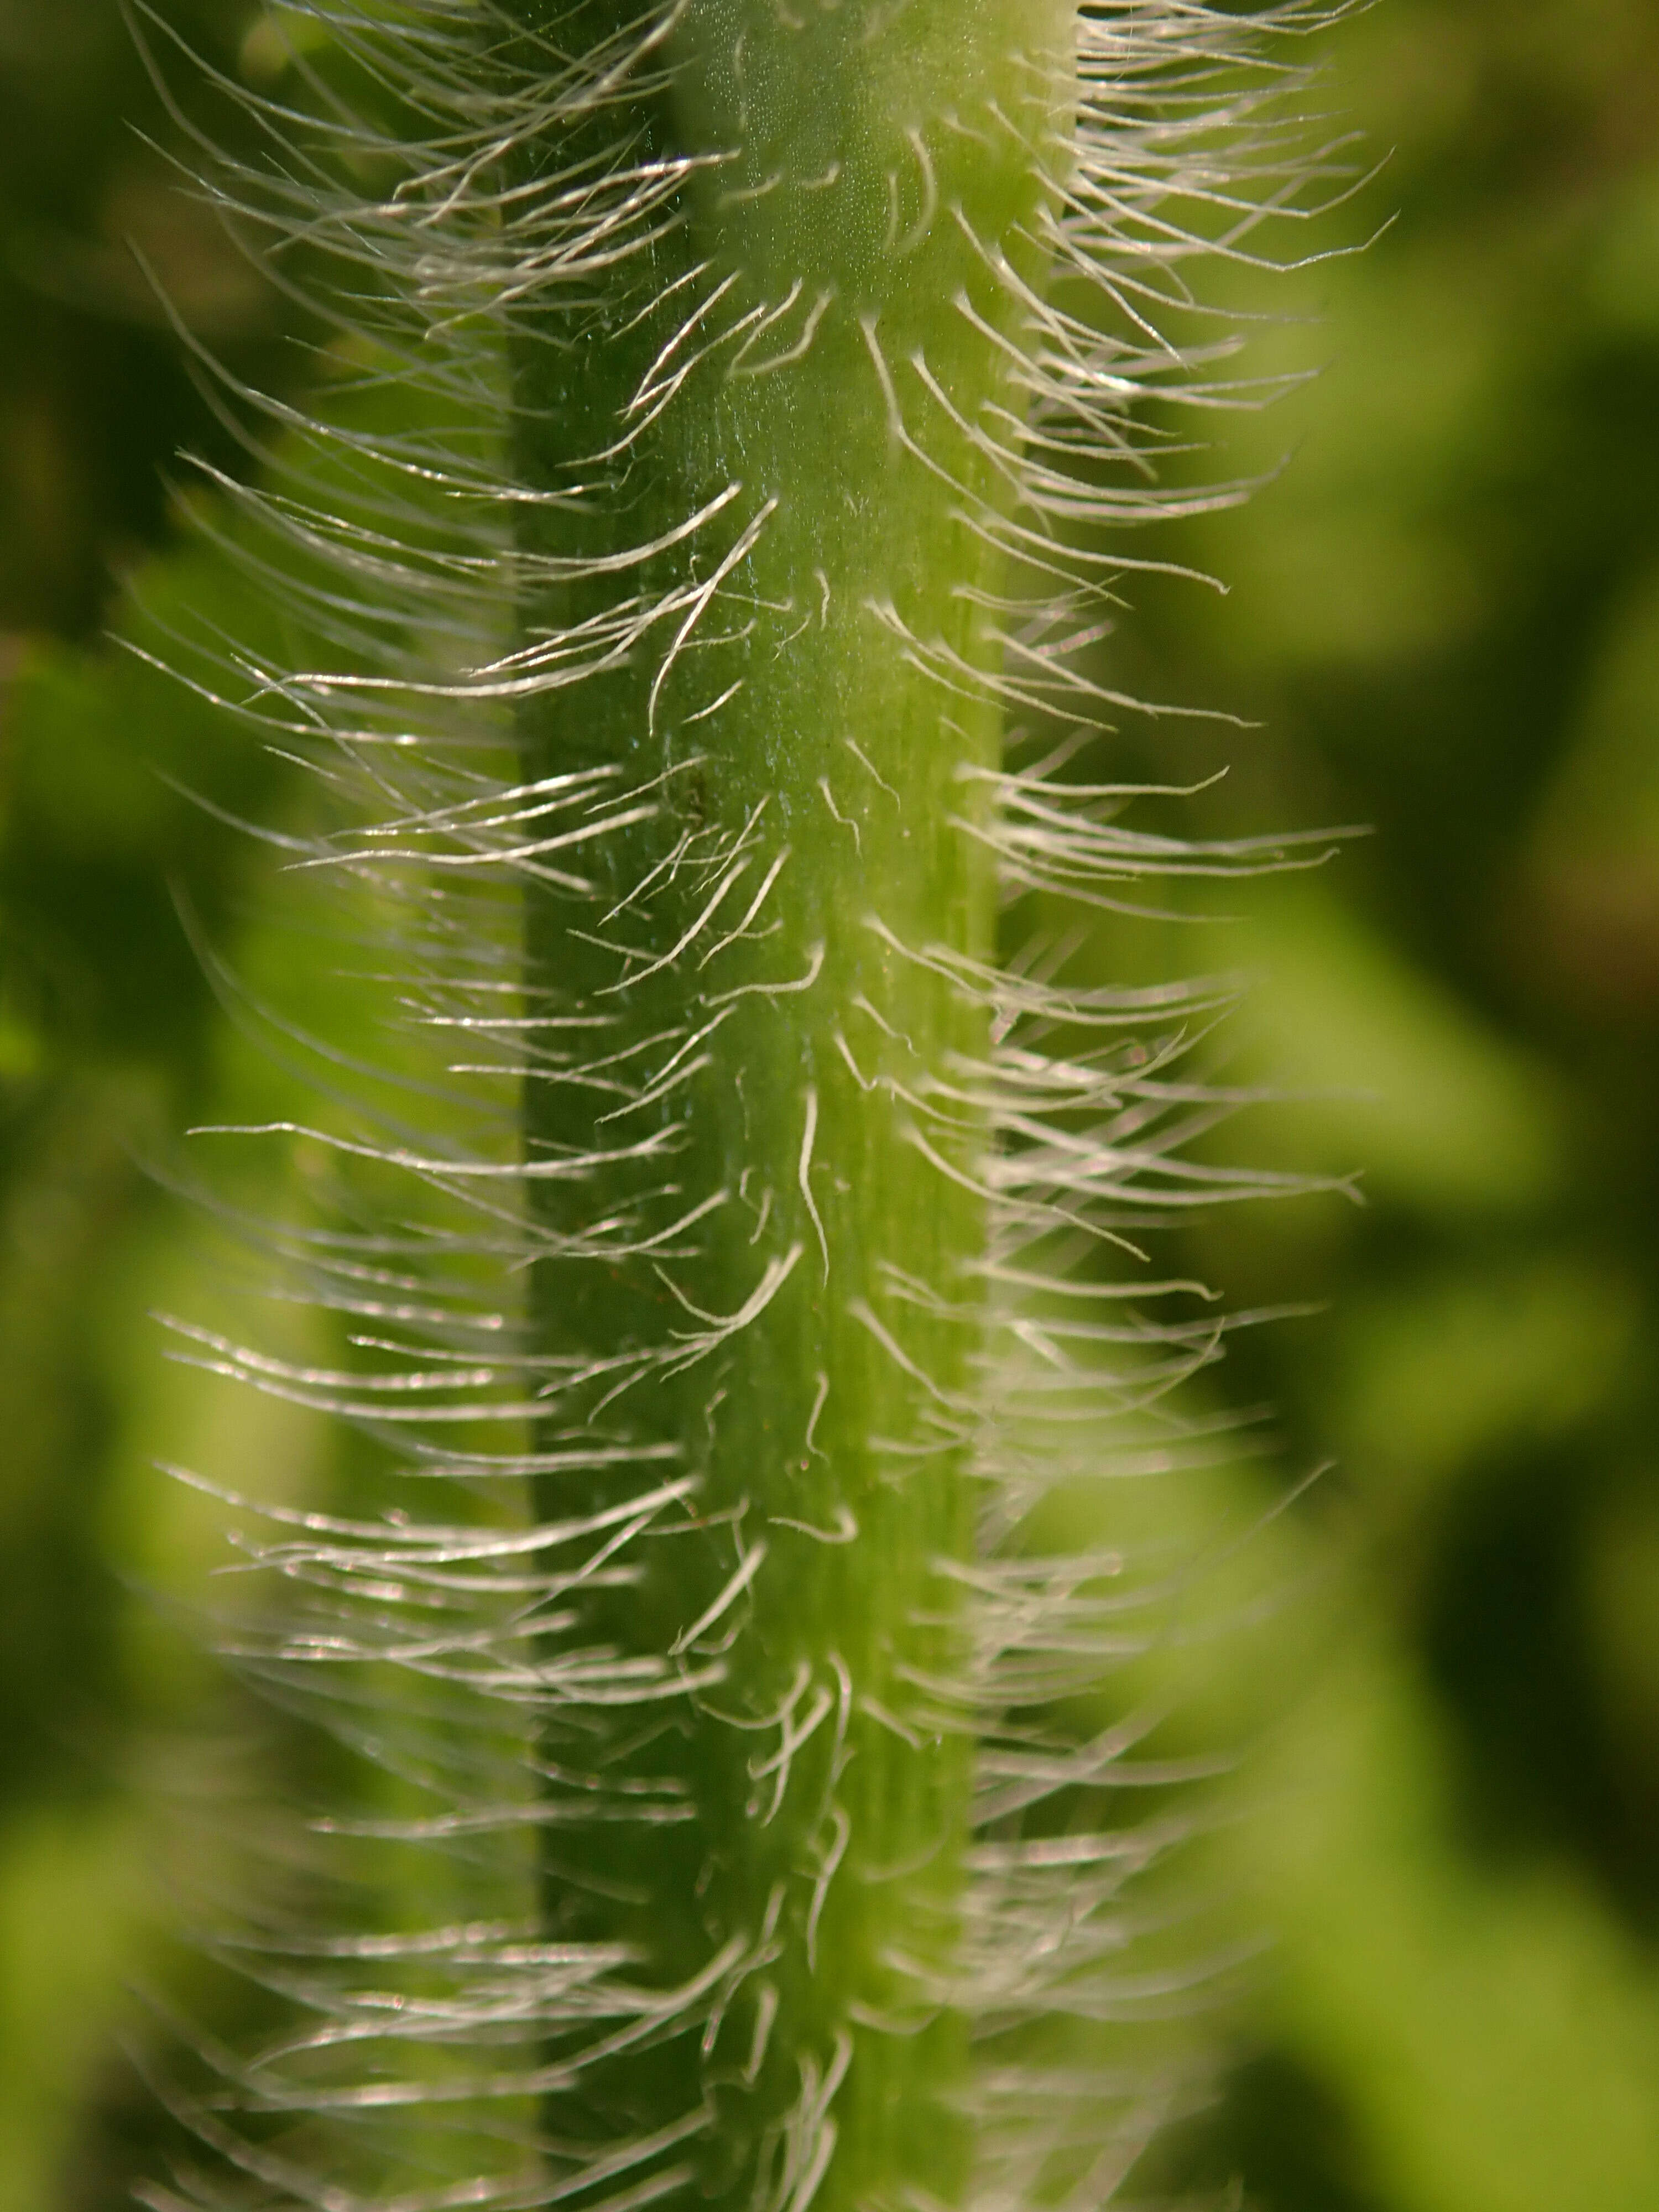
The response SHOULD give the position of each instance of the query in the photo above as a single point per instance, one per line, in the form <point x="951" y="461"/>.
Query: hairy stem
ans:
<point x="754" y="1015"/>
<point x="739" y="410"/>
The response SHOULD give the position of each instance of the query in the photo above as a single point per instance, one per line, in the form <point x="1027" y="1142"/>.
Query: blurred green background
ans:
<point x="1443" y="624"/>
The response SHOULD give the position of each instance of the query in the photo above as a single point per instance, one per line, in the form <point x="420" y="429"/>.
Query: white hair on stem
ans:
<point x="572" y="672"/>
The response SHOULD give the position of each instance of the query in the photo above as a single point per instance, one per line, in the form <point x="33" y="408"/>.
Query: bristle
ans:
<point x="739" y="410"/>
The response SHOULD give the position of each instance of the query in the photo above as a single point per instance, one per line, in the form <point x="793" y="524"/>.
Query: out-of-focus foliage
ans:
<point x="1443" y="623"/>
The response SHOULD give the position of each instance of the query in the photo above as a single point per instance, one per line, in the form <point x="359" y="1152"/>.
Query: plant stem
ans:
<point x="755" y="1012"/>
<point x="775" y="369"/>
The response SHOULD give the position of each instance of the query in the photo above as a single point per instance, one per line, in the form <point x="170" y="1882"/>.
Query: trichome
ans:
<point x="703" y="561"/>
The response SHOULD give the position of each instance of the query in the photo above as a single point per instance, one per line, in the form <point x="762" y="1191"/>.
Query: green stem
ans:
<point x="809" y="465"/>
<point x="754" y="1002"/>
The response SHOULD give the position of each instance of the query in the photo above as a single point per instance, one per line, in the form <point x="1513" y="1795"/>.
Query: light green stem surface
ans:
<point x="820" y="324"/>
